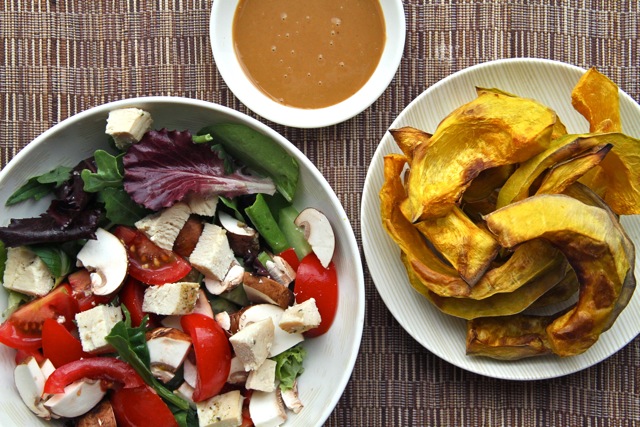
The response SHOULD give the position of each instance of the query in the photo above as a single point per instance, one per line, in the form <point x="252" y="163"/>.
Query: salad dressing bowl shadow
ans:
<point x="330" y="357"/>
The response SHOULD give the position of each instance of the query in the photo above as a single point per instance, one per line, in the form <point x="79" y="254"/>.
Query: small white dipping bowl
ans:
<point x="222" y="44"/>
<point x="330" y="357"/>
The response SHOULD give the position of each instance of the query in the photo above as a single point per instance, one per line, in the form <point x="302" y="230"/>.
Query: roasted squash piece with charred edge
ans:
<point x="468" y="247"/>
<point x="492" y="130"/>
<point x="408" y="138"/>
<point x="597" y="98"/>
<point x="433" y="270"/>
<point x="595" y="247"/>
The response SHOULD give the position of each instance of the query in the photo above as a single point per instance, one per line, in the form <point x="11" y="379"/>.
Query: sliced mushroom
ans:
<point x="280" y="270"/>
<point x="260" y="289"/>
<point x="106" y="258"/>
<point x="188" y="236"/>
<point x="318" y="232"/>
<point x="291" y="399"/>
<point x="224" y="320"/>
<point x="202" y="305"/>
<point x="267" y="409"/>
<point x="190" y="373"/>
<point x="237" y="374"/>
<point x="281" y="340"/>
<point x="100" y="416"/>
<point x="168" y="349"/>
<point x="242" y="238"/>
<point x="231" y="280"/>
<point x="185" y="391"/>
<point x="29" y="379"/>
<point x="78" y="398"/>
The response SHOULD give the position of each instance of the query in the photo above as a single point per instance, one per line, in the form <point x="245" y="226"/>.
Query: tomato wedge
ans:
<point x="315" y="281"/>
<point x="212" y="351"/>
<point x="59" y="346"/>
<point x="291" y="257"/>
<point x="109" y="369"/>
<point x="132" y="296"/>
<point x="80" y="282"/>
<point x="23" y="328"/>
<point x="140" y="407"/>
<point x="148" y="262"/>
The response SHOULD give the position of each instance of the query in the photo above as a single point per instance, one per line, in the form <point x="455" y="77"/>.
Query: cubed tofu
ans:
<point x="253" y="342"/>
<point x="202" y="205"/>
<point x="127" y="126"/>
<point x="25" y="272"/>
<point x="212" y="255"/>
<point x="300" y="317"/>
<point x="263" y="378"/>
<point x="95" y="324"/>
<point x="171" y="298"/>
<point x="223" y="410"/>
<point x="162" y="228"/>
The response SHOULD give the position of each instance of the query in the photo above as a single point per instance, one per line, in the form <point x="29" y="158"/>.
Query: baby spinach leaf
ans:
<point x="57" y="260"/>
<point x="108" y="175"/>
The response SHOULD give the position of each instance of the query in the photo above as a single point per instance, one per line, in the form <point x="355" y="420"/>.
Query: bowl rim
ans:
<point x="220" y="34"/>
<point x="350" y="244"/>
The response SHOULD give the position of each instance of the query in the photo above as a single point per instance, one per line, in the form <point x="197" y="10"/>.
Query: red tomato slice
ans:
<point x="23" y="328"/>
<point x="290" y="256"/>
<point x="212" y="351"/>
<point x="132" y="295"/>
<point x="315" y="281"/>
<point x="109" y="369"/>
<point x="148" y="262"/>
<point x="141" y="407"/>
<point x="59" y="346"/>
<point x="80" y="282"/>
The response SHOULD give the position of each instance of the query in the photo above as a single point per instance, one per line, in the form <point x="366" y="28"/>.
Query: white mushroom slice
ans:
<point x="185" y="391"/>
<point x="172" y="322"/>
<point x="237" y="374"/>
<point x="267" y="409"/>
<point x="231" y="280"/>
<point x="280" y="270"/>
<point x="291" y="399"/>
<point x="190" y="373"/>
<point x="243" y="239"/>
<point x="318" y="232"/>
<point x="106" y="258"/>
<point x="252" y="343"/>
<point x="202" y="305"/>
<point x="282" y="340"/>
<point x="224" y="320"/>
<point x="78" y="398"/>
<point x="100" y="416"/>
<point x="168" y="349"/>
<point x="29" y="380"/>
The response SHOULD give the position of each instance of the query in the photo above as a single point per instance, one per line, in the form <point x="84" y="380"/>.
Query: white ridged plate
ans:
<point x="550" y="83"/>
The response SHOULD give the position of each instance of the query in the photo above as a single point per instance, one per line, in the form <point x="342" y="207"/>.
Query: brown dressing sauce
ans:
<point x="309" y="53"/>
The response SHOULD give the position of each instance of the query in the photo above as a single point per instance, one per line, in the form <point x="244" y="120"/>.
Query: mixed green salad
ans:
<point x="171" y="281"/>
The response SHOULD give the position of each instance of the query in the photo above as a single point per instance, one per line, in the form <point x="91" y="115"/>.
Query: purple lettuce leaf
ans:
<point x="72" y="215"/>
<point x="165" y="166"/>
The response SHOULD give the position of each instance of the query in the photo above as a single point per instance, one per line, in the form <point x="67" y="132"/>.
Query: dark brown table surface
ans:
<point x="60" y="57"/>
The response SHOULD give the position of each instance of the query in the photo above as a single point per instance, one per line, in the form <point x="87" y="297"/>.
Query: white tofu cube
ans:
<point x="95" y="324"/>
<point x="162" y="228"/>
<point x="171" y="298"/>
<point x="223" y="410"/>
<point x="212" y="255"/>
<point x="300" y="317"/>
<point x="25" y="272"/>
<point x="127" y="126"/>
<point x="253" y="342"/>
<point x="263" y="378"/>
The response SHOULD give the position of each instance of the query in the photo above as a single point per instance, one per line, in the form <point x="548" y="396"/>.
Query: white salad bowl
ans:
<point x="222" y="45"/>
<point x="330" y="358"/>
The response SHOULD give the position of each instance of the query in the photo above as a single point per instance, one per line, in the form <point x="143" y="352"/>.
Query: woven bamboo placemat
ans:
<point x="60" y="57"/>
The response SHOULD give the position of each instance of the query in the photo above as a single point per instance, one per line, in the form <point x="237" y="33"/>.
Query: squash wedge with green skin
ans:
<point x="469" y="248"/>
<point x="594" y="246"/>
<point x="519" y="184"/>
<point x="490" y="131"/>
<point x="433" y="271"/>
<point x="500" y="304"/>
